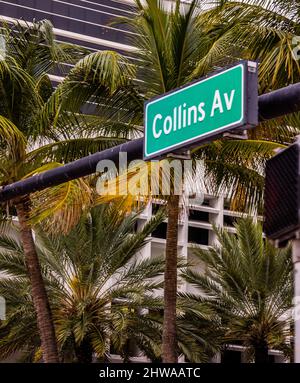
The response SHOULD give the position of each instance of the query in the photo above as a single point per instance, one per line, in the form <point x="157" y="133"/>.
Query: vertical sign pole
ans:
<point x="296" y="262"/>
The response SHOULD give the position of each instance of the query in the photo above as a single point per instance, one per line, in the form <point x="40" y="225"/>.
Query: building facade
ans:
<point x="83" y="22"/>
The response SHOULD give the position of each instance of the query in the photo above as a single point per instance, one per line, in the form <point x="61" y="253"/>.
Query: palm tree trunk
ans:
<point x="169" y="339"/>
<point x="39" y="295"/>
<point x="262" y="353"/>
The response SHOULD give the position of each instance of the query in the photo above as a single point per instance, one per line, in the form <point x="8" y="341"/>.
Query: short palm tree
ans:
<point x="98" y="287"/>
<point x="250" y="286"/>
<point x="40" y="126"/>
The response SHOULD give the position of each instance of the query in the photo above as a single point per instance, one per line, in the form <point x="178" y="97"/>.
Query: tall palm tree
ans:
<point x="171" y="55"/>
<point x="249" y="284"/>
<point x="98" y="287"/>
<point x="40" y="126"/>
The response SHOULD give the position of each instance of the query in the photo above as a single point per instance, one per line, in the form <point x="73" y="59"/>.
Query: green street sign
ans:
<point x="202" y="111"/>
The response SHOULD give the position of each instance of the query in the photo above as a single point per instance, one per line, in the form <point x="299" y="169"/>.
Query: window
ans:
<point x="196" y="215"/>
<point x="229" y="220"/>
<point x="160" y="231"/>
<point x="199" y="236"/>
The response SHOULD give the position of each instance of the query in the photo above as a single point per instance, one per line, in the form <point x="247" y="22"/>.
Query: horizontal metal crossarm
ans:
<point x="271" y="105"/>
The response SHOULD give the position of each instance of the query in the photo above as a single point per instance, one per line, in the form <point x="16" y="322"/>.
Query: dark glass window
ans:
<point x="229" y="220"/>
<point x="199" y="236"/>
<point x="160" y="231"/>
<point x="196" y="215"/>
<point x="227" y="203"/>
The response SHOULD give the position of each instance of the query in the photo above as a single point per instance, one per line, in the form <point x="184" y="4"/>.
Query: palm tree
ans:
<point x="98" y="287"/>
<point x="40" y="126"/>
<point x="171" y="56"/>
<point x="250" y="286"/>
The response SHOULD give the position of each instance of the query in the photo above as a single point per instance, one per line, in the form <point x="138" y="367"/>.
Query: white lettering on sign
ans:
<point x="155" y="134"/>
<point x="184" y="116"/>
<point x="229" y="101"/>
<point x="217" y="104"/>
